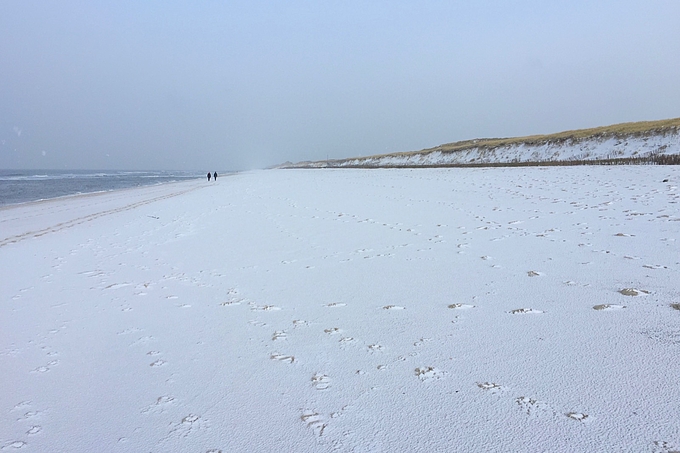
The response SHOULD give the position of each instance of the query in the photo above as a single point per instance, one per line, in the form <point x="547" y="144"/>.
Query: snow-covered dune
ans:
<point x="650" y="142"/>
<point x="584" y="150"/>
<point x="414" y="310"/>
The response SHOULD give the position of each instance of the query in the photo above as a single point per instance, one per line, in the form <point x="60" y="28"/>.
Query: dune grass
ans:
<point x="622" y="131"/>
<point x="640" y="128"/>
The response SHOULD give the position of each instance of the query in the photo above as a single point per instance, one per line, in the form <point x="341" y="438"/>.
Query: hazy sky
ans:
<point x="231" y="85"/>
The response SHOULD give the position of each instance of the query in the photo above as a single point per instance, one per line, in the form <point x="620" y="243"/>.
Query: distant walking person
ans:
<point x="209" y="175"/>
<point x="215" y="176"/>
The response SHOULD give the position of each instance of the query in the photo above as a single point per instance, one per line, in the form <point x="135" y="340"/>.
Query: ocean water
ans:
<point x="21" y="186"/>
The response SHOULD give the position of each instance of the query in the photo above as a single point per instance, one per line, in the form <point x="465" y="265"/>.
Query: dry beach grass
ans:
<point x="488" y="147"/>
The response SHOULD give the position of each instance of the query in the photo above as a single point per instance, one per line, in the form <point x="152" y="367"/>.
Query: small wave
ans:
<point x="17" y="186"/>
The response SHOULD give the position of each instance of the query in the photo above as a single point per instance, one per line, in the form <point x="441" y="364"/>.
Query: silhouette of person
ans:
<point x="209" y="176"/>
<point x="215" y="176"/>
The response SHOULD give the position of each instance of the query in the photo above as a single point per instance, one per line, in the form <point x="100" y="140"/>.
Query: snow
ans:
<point x="505" y="309"/>
<point x="590" y="149"/>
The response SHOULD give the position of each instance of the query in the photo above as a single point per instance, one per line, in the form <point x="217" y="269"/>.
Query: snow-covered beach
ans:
<point x="419" y="310"/>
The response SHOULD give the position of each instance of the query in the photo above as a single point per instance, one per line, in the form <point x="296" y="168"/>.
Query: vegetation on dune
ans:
<point x="647" y="160"/>
<point x="640" y="128"/>
<point x="617" y="131"/>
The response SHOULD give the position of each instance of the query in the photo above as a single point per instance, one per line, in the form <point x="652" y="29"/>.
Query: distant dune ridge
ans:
<point x="645" y="142"/>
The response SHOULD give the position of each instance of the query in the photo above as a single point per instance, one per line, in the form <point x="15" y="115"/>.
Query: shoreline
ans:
<point x="97" y="192"/>
<point x="41" y="213"/>
<point x="26" y="186"/>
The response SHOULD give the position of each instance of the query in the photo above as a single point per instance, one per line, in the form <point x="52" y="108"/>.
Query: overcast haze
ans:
<point x="238" y="85"/>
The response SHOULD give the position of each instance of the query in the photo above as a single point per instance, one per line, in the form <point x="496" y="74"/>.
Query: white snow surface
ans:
<point x="401" y="310"/>
<point x="595" y="148"/>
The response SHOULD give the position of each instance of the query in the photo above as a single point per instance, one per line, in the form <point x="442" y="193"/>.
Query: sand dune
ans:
<point x="643" y="142"/>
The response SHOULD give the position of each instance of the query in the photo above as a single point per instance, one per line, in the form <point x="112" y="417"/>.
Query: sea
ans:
<point x="22" y="186"/>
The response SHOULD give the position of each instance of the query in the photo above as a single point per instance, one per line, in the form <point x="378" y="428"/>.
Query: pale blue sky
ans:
<point x="246" y="84"/>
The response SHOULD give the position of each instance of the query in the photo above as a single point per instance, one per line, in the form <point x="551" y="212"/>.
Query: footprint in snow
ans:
<point x="231" y="303"/>
<point x="491" y="387"/>
<point x="606" y="307"/>
<point x="422" y="341"/>
<point x="531" y="406"/>
<point x="314" y="421"/>
<point x="188" y="426"/>
<point x="461" y="306"/>
<point x="633" y="292"/>
<point x="520" y="311"/>
<point x="666" y="447"/>
<point x="534" y="274"/>
<point x="279" y="335"/>
<point x="429" y="373"/>
<point x="20" y="406"/>
<point x="375" y="348"/>
<point x="45" y="368"/>
<point x="142" y="340"/>
<point x="393" y="307"/>
<point x="30" y="415"/>
<point x="160" y="406"/>
<point x="321" y="381"/>
<point x="265" y="308"/>
<point x="577" y="416"/>
<point x="117" y="285"/>
<point x="282" y="357"/>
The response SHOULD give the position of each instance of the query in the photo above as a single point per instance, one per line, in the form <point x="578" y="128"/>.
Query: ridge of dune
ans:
<point x="634" y="143"/>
